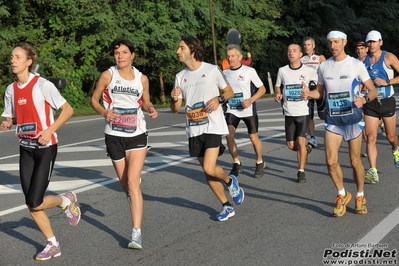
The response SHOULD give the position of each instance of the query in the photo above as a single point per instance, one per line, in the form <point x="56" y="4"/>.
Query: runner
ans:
<point x="200" y="84"/>
<point x="125" y="93"/>
<point x="244" y="81"/>
<point x="313" y="59"/>
<point x="32" y="101"/>
<point x="340" y="76"/>
<point x="380" y="65"/>
<point x="290" y="81"/>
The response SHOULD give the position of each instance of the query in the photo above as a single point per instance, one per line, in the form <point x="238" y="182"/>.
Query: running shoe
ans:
<point x="360" y="205"/>
<point x="237" y="168"/>
<point x="136" y="240"/>
<point x="309" y="148"/>
<point x="72" y="210"/>
<point x="236" y="192"/>
<point x="225" y="213"/>
<point x="372" y="175"/>
<point x="301" y="177"/>
<point x="340" y="204"/>
<point x="396" y="158"/>
<point x="364" y="155"/>
<point x="50" y="251"/>
<point x="312" y="141"/>
<point x="259" y="169"/>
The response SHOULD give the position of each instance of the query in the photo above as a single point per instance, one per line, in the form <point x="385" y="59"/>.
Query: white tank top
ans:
<point x="125" y="97"/>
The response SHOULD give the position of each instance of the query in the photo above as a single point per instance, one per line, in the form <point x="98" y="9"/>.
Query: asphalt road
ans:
<point x="279" y="223"/>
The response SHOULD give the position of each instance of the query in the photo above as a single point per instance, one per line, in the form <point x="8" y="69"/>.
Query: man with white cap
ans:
<point x="340" y="76"/>
<point x="380" y="65"/>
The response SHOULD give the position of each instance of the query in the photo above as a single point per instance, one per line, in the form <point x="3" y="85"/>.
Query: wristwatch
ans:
<point x="388" y="82"/>
<point x="221" y="99"/>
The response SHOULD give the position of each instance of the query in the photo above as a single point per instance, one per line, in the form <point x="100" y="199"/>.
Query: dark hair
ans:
<point x="195" y="47"/>
<point x="361" y="43"/>
<point x="30" y="53"/>
<point x="307" y="38"/>
<point x="300" y="47"/>
<point x="118" y="42"/>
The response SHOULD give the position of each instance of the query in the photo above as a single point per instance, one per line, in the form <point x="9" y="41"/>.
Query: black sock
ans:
<point x="229" y="183"/>
<point x="227" y="203"/>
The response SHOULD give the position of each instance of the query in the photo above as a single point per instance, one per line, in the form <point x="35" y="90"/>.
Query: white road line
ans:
<point x="54" y="186"/>
<point x="103" y="183"/>
<point x="107" y="162"/>
<point x="381" y="229"/>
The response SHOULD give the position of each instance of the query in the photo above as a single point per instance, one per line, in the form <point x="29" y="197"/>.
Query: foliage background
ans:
<point x="72" y="37"/>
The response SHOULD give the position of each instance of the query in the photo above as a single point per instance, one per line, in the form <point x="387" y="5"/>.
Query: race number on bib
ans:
<point x="236" y="101"/>
<point x="196" y="114"/>
<point x="340" y="103"/>
<point x="293" y="92"/>
<point x="126" y="120"/>
<point x="26" y="133"/>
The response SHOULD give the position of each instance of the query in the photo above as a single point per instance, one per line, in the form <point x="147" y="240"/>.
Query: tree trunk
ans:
<point x="162" y="87"/>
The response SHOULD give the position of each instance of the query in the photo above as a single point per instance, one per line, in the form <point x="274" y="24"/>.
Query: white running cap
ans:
<point x="373" y="36"/>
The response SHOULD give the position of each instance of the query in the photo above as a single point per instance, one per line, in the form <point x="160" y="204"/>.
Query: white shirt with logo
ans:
<point x="341" y="81"/>
<point x="290" y="81"/>
<point x="197" y="88"/>
<point x="240" y="80"/>
<point x="312" y="61"/>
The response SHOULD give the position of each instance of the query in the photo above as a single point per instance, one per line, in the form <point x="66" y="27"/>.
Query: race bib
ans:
<point x="26" y="133"/>
<point x="126" y="120"/>
<point x="236" y="101"/>
<point x="197" y="115"/>
<point x="340" y="103"/>
<point x="381" y="92"/>
<point x="293" y="92"/>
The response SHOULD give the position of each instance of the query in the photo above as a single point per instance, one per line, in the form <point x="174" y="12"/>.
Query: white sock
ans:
<point x="301" y="170"/>
<point x="237" y="162"/>
<point x="65" y="202"/>
<point x="259" y="162"/>
<point x="138" y="230"/>
<point x="53" y="240"/>
<point x="342" y="192"/>
<point x="358" y="194"/>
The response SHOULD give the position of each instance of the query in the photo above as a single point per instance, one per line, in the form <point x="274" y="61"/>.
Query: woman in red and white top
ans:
<point x="32" y="100"/>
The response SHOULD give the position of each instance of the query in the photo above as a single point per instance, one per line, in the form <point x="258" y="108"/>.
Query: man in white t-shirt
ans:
<point x="291" y="79"/>
<point x="341" y="76"/>
<point x="242" y="106"/>
<point x="199" y="85"/>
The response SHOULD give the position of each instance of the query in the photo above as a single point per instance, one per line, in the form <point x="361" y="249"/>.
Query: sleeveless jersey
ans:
<point x="33" y="105"/>
<point x="312" y="61"/>
<point x="290" y="81"/>
<point x="380" y="70"/>
<point x="244" y="81"/>
<point x="197" y="88"/>
<point x="341" y="82"/>
<point x="125" y="97"/>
